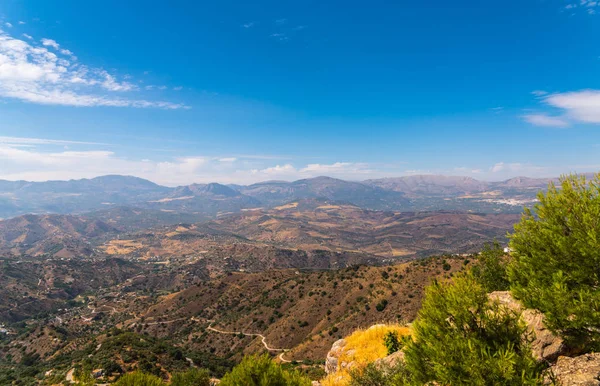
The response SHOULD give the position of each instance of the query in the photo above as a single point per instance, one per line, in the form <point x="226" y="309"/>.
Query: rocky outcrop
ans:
<point x="391" y="360"/>
<point x="546" y="346"/>
<point x="333" y="356"/>
<point x="583" y="370"/>
<point x="332" y="362"/>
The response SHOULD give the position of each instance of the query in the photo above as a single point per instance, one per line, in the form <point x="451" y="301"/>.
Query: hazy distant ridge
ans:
<point x="420" y="192"/>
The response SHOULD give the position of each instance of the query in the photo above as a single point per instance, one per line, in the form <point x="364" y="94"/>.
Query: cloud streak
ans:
<point x="546" y="120"/>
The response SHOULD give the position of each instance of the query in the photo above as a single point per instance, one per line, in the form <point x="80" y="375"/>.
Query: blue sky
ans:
<point x="231" y="91"/>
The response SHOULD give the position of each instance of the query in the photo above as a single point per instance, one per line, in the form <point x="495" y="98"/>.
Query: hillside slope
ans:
<point x="56" y="235"/>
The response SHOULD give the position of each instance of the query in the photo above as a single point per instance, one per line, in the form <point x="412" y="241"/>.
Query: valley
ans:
<point x="154" y="278"/>
<point x="213" y="322"/>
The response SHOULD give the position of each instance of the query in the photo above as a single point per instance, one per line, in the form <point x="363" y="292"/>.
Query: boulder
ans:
<point x="331" y="362"/>
<point x="546" y="346"/>
<point x="583" y="370"/>
<point x="391" y="360"/>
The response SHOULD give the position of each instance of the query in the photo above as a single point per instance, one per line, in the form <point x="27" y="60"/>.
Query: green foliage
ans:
<point x="262" y="371"/>
<point x="556" y="260"/>
<point x="461" y="338"/>
<point x="84" y="378"/>
<point x="139" y="379"/>
<point x="391" y="342"/>
<point x="490" y="269"/>
<point x="378" y="375"/>
<point x="191" y="377"/>
<point x="381" y="305"/>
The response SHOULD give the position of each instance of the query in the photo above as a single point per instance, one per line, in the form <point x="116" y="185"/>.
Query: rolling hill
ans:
<point x="319" y="224"/>
<point x="56" y="235"/>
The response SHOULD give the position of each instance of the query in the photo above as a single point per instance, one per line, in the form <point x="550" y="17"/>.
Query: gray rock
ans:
<point x="331" y="362"/>
<point x="583" y="370"/>
<point x="391" y="360"/>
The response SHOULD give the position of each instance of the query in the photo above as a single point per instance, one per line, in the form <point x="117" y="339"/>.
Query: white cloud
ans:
<point x="21" y="22"/>
<point x="286" y="169"/>
<point x="281" y="21"/>
<point x="8" y="25"/>
<point x="249" y="25"/>
<point x="546" y="120"/>
<point x="50" y="43"/>
<point x="111" y="84"/>
<point x="42" y="162"/>
<point x="513" y="169"/>
<point x="37" y="159"/>
<point x="584" y="5"/>
<point x="337" y="168"/>
<point x="539" y="93"/>
<point x="581" y="106"/>
<point x="32" y="73"/>
<point x="28" y="36"/>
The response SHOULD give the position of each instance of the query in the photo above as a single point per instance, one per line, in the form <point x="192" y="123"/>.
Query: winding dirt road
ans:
<point x="263" y="339"/>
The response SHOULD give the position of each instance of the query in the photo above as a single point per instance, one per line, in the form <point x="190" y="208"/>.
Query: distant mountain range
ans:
<point x="204" y="201"/>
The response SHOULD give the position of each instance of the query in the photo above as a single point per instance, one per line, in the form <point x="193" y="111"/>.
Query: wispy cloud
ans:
<point x="36" y="159"/>
<point x="581" y="106"/>
<point x="505" y="170"/>
<point x="28" y="36"/>
<point x="546" y="120"/>
<point x="50" y="43"/>
<point x="35" y="74"/>
<point x="586" y="6"/>
<point x="279" y="36"/>
<point x="43" y="141"/>
<point x="249" y="24"/>
<point x="21" y="22"/>
<point x="281" y="21"/>
<point x="573" y="107"/>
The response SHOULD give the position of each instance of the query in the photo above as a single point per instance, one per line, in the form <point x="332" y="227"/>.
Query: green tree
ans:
<point x="191" y="377"/>
<point x="262" y="371"/>
<point x="462" y="338"/>
<point x="490" y="269"/>
<point x="140" y="379"/>
<point x="391" y="342"/>
<point x="555" y="263"/>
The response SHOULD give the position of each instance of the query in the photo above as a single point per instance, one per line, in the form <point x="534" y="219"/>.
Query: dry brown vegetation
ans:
<point x="303" y="312"/>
